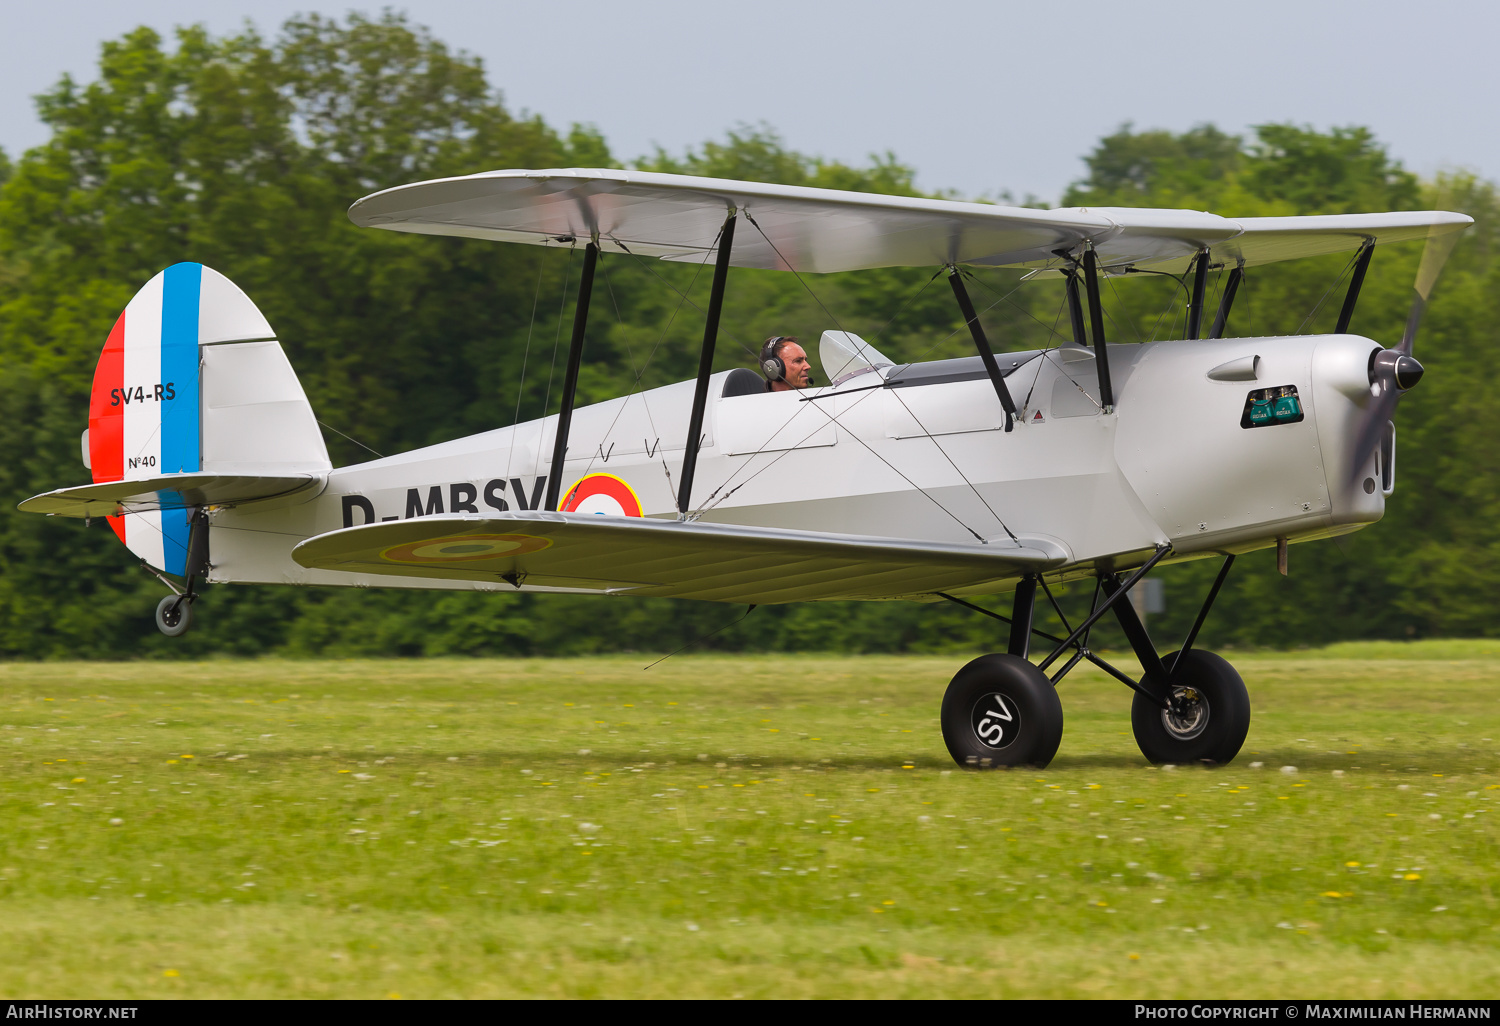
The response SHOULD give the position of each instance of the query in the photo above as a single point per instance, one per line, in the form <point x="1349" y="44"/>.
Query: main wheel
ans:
<point x="1000" y="710"/>
<point x="174" y="615"/>
<point x="1210" y="718"/>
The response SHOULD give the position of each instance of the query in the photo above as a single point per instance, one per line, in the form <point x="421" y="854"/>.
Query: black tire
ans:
<point x="1217" y="714"/>
<point x="1000" y="710"/>
<point x="174" y="615"/>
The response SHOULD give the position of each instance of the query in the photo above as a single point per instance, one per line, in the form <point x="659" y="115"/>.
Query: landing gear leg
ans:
<point x="1191" y="706"/>
<point x="174" y="614"/>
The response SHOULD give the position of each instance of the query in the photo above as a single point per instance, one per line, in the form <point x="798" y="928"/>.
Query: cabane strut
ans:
<point x="981" y="343"/>
<point x="1356" y="281"/>
<point x="1200" y="284"/>
<point x="1096" y="322"/>
<point x="1226" y="301"/>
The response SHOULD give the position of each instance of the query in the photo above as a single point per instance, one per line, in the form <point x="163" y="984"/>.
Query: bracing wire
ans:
<point x="683" y="298"/>
<point x="619" y="319"/>
<point x="833" y="317"/>
<point x="1030" y="391"/>
<point x="552" y="367"/>
<point x="536" y="298"/>
<point x="699" y="640"/>
<point x="637" y="372"/>
<point x="666" y="328"/>
<point x="710" y="503"/>
<point x="1114" y="289"/>
<point x="1171" y="306"/>
<point x="1218" y="296"/>
<point x="880" y="332"/>
<point x="1249" y="310"/>
<point x="1319" y="304"/>
<point x="557" y="338"/>
<point x="1051" y="328"/>
<point x="356" y="441"/>
<point x="648" y="268"/>
<point x="962" y="327"/>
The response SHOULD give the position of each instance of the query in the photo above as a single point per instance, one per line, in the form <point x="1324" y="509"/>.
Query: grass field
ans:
<point x="745" y="826"/>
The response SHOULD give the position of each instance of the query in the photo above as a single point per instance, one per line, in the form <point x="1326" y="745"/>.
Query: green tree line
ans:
<point x="243" y="152"/>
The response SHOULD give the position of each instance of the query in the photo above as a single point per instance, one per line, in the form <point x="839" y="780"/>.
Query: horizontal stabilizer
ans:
<point x="716" y="562"/>
<point x="169" y="491"/>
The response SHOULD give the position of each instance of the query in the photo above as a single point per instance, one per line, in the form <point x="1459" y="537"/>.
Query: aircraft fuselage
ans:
<point x="1227" y="462"/>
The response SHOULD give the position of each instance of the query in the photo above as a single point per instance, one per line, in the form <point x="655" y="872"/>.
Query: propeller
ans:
<point x="1393" y="372"/>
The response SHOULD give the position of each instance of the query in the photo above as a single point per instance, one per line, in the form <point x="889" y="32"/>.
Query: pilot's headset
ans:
<point x="771" y="364"/>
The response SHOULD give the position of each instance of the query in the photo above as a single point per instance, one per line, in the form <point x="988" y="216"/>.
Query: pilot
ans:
<point x="785" y="363"/>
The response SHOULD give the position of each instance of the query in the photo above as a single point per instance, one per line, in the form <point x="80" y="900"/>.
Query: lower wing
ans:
<point x="628" y="555"/>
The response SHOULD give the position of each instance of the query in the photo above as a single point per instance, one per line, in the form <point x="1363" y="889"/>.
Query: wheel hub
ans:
<point x="1186" y="715"/>
<point x="996" y="720"/>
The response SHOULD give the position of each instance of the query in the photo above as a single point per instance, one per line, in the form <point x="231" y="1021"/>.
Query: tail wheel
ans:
<point x="1000" y="710"/>
<point x="174" y="615"/>
<point x="1209" y="718"/>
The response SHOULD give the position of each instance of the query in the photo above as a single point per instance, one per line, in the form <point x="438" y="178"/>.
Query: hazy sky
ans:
<point x="979" y="97"/>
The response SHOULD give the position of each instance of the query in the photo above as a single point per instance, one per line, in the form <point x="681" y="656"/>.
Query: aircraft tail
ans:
<point x="192" y="381"/>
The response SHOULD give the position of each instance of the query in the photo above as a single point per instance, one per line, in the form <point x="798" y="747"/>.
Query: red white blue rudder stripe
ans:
<point x="144" y="411"/>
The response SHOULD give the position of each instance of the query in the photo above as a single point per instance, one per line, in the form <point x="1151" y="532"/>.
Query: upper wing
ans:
<point x="718" y="562"/>
<point x="169" y="491"/>
<point x="678" y="217"/>
<point x="1265" y="240"/>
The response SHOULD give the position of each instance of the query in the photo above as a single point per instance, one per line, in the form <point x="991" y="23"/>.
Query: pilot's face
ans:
<point x="794" y="357"/>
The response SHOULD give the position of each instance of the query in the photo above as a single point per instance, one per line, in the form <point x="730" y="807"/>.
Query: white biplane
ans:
<point x="936" y="480"/>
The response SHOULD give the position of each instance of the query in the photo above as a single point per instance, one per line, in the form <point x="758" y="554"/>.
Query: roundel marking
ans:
<point x="604" y="495"/>
<point x="462" y="548"/>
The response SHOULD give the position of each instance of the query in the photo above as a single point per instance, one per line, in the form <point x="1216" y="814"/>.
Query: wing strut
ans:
<point x="1226" y="301"/>
<point x="705" y="365"/>
<point x="1200" y="283"/>
<point x="1355" y="282"/>
<point x="1075" y="309"/>
<point x="986" y="355"/>
<point x="1096" y="318"/>
<point x="570" y="380"/>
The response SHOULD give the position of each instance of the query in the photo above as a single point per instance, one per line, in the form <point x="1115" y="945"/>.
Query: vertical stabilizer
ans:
<point x="192" y="380"/>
